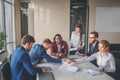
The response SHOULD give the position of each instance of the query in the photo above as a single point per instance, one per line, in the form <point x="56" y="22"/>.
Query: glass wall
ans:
<point x="6" y="23"/>
<point x="2" y="26"/>
<point x="1" y="17"/>
<point x="79" y="15"/>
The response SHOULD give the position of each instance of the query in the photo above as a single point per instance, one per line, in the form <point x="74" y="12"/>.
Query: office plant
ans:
<point x="2" y="40"/>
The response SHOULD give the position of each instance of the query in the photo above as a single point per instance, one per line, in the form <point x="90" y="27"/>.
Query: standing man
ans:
<point x="21" y="66"/>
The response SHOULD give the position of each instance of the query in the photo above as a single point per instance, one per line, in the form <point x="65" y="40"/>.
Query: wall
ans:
<point x="17" y="17"/>
<point x="51" y="17"/>
<point x="113" y="37"/>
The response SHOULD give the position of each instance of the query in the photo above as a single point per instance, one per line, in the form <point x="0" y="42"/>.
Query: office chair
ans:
<point x="117" y="73"/>
<point x="5" y="70"/>
<point x="45" y="76"/>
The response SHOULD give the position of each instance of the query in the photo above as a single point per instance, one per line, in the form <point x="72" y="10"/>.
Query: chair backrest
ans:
<point x="45" y="76"/>
<point x="5" y="70"/>
<point x="115" y="50"/>
<point x="117" y="73"/>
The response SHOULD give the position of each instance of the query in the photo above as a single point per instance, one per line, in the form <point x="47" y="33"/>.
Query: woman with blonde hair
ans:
<point x="105" y="60"/>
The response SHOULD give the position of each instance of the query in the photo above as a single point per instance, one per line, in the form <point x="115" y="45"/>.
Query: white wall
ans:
<point x="17" y="25"/>
<point x="51" y="17"/>
<point x="31" y="21"/>
<point x="112" y="37"/>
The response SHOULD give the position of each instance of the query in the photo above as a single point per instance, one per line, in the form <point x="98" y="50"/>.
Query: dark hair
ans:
<point x="95" y="33"/>
<point x="56" y="36"/>
<point x="27" y="39"/>
<point x="48" y="41"/>
<point x="80" y="27"/>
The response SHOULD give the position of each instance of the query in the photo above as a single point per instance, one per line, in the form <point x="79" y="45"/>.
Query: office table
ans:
<point x="79" y="75"/>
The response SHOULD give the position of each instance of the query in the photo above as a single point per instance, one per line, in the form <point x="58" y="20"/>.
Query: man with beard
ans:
<point x="93" y="46"/>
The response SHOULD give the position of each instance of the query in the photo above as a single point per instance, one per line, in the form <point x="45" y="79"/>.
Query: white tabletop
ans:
<point x="79" y="75"/>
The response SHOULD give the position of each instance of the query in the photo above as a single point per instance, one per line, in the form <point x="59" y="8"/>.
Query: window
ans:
<point x="6" y="23"/>
<point x="2" y="27"/>
<point x="1" y="17"/>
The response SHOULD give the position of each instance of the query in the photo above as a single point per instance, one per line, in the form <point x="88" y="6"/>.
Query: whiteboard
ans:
<point x="107" y="19"/>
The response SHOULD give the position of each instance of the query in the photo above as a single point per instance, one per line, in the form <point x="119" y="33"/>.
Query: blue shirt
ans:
<point x="21" y="67"/>
<point x="38" y="53"/>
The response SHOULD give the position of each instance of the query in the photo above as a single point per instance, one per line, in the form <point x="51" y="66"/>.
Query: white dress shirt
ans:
<point x="59" y="48"/>
<point x="76" y="41"/>
<point x="106" y="61"/>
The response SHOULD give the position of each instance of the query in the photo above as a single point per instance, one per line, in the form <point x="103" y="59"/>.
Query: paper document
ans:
<point x="46" y="65"/>
<point x="72" y="49"/>
<point x="80" y="60"/>
<point x="92" y="71"/>
<point x="66" y="67"/>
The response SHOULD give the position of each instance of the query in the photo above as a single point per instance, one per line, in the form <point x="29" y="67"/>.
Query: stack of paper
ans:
<point x="80" y="60"/>
<point x="72" y="49"/>
<point x="66" y="67"/>
<point x="92" y="71"/>
<point x="46" y="65"/>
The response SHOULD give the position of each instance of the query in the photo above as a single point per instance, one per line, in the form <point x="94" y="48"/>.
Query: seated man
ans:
<point x="93" y="46"/>
<point x="38" y="53"/>
<point x="59" y="47"/>
<point x="20" y="65"/>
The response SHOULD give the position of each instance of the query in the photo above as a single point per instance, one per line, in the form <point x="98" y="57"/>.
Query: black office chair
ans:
<point x="5" y="70"/>
<point x="117" y="73"/>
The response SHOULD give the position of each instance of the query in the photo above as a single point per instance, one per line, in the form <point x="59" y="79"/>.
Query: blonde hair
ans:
<point x="106" y="44"/>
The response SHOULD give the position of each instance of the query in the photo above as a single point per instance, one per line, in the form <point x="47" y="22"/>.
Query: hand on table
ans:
<point x="34" y="65"/>
<point x="101" y="69"/>
<point x="73" y="63"/>
<point x="46" y="68"/>
<point x="67" y="61"/>
<point x="79" y="48"/>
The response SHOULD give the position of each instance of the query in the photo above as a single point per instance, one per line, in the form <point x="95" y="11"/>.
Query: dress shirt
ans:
<point x="106" y="61"/>
<point x="76" y="41"/>
<point x="94" y="49"/>
<point x="38" y="53"/>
